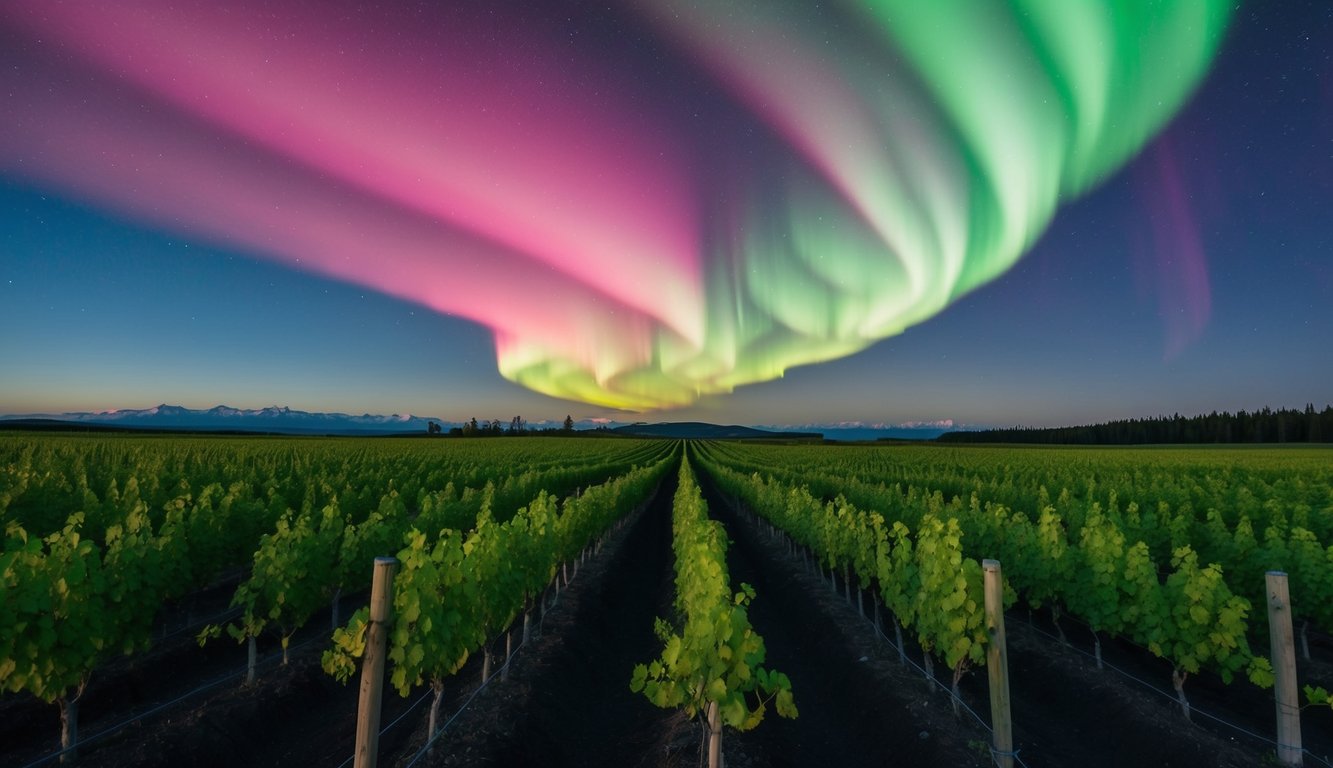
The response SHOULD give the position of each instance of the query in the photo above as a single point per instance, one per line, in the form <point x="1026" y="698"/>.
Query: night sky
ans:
<point x="993" y="213"/>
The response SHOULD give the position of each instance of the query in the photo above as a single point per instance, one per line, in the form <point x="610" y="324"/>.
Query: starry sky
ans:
<point x="993" y="213"/>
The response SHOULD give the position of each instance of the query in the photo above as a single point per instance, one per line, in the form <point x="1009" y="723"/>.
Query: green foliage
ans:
<point x="1098" y="592"/>
<point x="381" y="533"/>
<point x="1095" y="547"/>
<point x="101" y="528"/>
<point x="1052" y="563"/>
<point x="1317" y="697"/>
<point x="899" y="576"/>
<point x="1144" y="608"/>
<point x="349" y="644"/>
<point x="1260" y="672"/>
<point x="454" y="590"/>
<point x="1205" y="622"/>
<point x="436" y="611"/>
<point x="56" y="619"/>
<point x="716" y="656"/>
<point x="292" y="576"/>
<point x="1310" y="571"/>
<point x="100" y="531"/>
<point x="949" y="607"/>
<point x="928" y="583"/>
<point x="137" y="577"/>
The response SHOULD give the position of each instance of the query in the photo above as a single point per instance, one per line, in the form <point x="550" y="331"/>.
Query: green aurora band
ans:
<point x="930" y="145"/>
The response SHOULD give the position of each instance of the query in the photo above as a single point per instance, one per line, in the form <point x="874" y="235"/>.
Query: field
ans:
<point x="201" y="600"/>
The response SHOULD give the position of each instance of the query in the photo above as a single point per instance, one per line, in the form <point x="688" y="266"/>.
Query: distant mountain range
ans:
<point x="284" y="420"/>
<point x="226" y="419"/>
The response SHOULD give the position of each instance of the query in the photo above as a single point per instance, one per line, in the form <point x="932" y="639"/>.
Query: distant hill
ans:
<point x="702" y="431"/>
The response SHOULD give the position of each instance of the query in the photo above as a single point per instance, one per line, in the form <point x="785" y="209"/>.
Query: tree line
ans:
<point x="497" y="428"/>
<point x="1262" y="426"/>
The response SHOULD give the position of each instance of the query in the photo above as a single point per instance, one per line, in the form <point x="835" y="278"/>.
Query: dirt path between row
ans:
<point x="567" y="701"/>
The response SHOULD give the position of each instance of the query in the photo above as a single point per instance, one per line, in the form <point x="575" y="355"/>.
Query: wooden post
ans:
<point x="997" y="665"/>
<point x="1283" y="648"/>
<point x="372" y="666"/>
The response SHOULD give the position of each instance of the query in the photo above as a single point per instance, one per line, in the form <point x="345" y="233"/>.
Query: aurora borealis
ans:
<point x="689" y="198"/>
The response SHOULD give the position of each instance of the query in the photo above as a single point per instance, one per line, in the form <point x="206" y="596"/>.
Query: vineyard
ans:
<point x="578" y="601"/>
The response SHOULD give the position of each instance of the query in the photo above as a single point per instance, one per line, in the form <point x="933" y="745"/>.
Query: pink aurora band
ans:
<point x="853" y="171"/>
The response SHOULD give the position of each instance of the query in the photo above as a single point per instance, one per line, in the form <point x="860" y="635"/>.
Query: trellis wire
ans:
<point x="1172" y="697"/>
<point x="902" y="655"/>
<point x="214" y="619"/>
<point x="440" y="731"/>
<point x="541" y="625"/>
<point x="995" y="754"/>
<point x="390" y="726"/>
<point x="154" y="710"/>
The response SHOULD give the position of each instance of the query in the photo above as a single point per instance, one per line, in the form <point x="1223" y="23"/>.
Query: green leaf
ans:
<point x="785" y="704"/>
<point x="717" y="690"/>
<point x="733" y="711"/>
<point x="1318" y="696"/>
